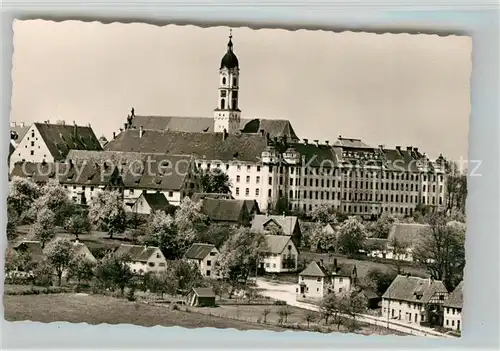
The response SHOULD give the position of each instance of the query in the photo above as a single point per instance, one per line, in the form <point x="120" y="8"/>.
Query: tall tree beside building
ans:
<point x="190" y="222"/>
<point x="22" y="194"/>
<point x="442" y="250"/>
<point x="107" y="212"/>
<point x="214" y="181"/>
<point x="54" y="197"/>
<point x="382" y="227"/>
<point x="78" y="223"/>
<point x="59" y="254"/>
<point x="44" y="227"/>
<point x="162" y="233"/>
<point x="324" y="214"/>
<point x="351" y="236"/>
<point x="239" y="256"/>
<point x="456" y="187"/>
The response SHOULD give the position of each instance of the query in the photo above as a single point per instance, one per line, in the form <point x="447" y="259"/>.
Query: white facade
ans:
<point x="453" y="318"/>
<point x="318" y="287"/>
<point x="275" y="262"/>
<point x="155" y="263"/>
<point x="31" y="148"/>
<point x="408" y="312"/>
<point x="207" y="265"/>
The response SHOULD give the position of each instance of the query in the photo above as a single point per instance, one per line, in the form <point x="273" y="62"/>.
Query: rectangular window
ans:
<point x="248" y="179"/>
<point x="237" y="179"/>
<point x="247" y="192"/>
<point x="258" y="168"/>
<point x="209" y="263"/>
<point x="257" y="179"/>
<point x="270" y="181"/>
<point x="237" y="191"/>
<point x="256" y="192"/>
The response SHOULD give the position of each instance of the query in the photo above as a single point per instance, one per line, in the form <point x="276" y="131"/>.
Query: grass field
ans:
<point x="96" y="309"/>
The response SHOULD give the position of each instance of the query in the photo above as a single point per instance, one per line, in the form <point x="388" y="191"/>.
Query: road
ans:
<point x="286" y="292"/>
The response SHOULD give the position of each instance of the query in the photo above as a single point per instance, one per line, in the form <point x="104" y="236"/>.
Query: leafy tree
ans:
<point x="12" y="222"/>
<point x="283" y="313"/>
<point x="219" y="287"/>
<point x="329" y="306"/>
<point x="162" y="233"/>
<point x="164" y="282"/>
<point x="22" y="194"/>
<point x="216" y="234"/>
<point x="59" y="254"/>
<point x="381" y="280"/>
<point x="17" y="261"/>
<point x="108" y="212"/>
<point x="187" y="275"/>
<point x="322" y="240"/>
<point x="190" y="222"/>
<point x="214" y="181"/>
<point x="43" y="273"/>
<point x="309" y="317"/>
<point x="81" y="269"/>
<point x="351" y="236"/>
<point x="44" y="228"/>
<point x="281" y="206"/>
<point x="324" y="214"/>
<point x="456" y="188"/>
<point x="442" y="250"/>
<point x="55" y="198"/>
<point x="239" y="256"/>
<point x="383" y="225"/>
<point x="78" y="223"/>
<point x="113" y="272"/>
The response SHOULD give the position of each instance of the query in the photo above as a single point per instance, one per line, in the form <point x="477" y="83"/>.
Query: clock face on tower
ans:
<point x="223" y="93"/>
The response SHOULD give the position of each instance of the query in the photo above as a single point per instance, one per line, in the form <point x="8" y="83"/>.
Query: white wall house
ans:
<point x="45" y="142"/>
<point x="204" y="256"/>
<point x="143" y="259"/>
<point x="149" y="203"/>
<point x="453" y="309"/>
<point x="281" y="254"/>
<point x="315" y="281"/>
<point x="414" y="300"/>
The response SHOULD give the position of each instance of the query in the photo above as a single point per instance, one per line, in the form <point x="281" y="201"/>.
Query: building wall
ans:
<point x="207" y="265"/>
<point x="31" y="148"/>
<point x="156" y="263"/>
<point x="273" y="263"/>
<point x="141" y="206"/>
<point x="453" y="318"/>
<point x="403" y="311"/>
<point x="340" y="284"/>
<point x="314" y="287"/>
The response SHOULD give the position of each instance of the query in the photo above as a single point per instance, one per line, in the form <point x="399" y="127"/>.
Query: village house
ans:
<point x="148" y="203"/>
<point x="81" y="250"/>
<point x="453" y="308"/>
<point x="45" y="142"/>
<point x="143" y="258"/>
<point x="415" y="300"/>
<point x="316" y="280"/>
<point x="204" y="256"/>
<point x="252" y="207"/>
<point x="226" y="211"/>
<point x="400" y="244"/>
<point x="274" y="224"/>
<point x="281" y="255"/>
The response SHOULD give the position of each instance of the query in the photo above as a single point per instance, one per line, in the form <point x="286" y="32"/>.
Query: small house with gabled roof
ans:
<point x="453" y="308"/>
<point x="226" y="211"/>
<point x="143" y="258"/>
<point x="415" y="300"/>
<point x="316" y="280"/>
<point x="273" y="224"/>
<point x="204" y="256"/>
<point x="201" y="297"/>
<point x="149" y="203"/>
<point x="281" y="254"/>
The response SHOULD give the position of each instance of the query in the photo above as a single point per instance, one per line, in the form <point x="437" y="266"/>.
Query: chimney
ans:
<point x="75" y="128"/>
<point x="141" y="131"/>
<point x="316" y="142"/>
<point x="114" y="135"/>
<point x="327" y="142"/>
<point x="224" y="134"/>
<point x="90" y="126"/>
<point x="12" y="124"/>
<point x="261" y="132"/>
<point x="409" y="148"/>
<point x="415" y="149"/>
<point x="21" y="124"/>
<point x="305" y="141"/>
<point x="132" y="112"/>
<point x="125" y="126"/>
<point x="398" y="147"/>
<point x="340" y="136"/>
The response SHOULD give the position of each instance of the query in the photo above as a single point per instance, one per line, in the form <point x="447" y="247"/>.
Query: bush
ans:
<point x="174" y="307"/>
<point x="279" y="303"/>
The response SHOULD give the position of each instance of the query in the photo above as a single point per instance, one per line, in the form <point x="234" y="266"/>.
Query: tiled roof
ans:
<point x="252" y="206"/>
<point x="315" y="155"/>
<point x="401" y="160"/>
<point x="81" y="248"/>
<point x="344" y="269"/>
<point x="275" y="127"/>
<point x="276" y="243"/>
<point x="61" y="138"/>
<point x="352" y="143"/>
<point x="369" y="293"/>
<point x="136" y="253"/>
<point x="209" y="146"/>
<point x="198" y="251"/>
<point x="140" y="170"/>
<point x="204" y="292"/>
<point x="286" y="223"/>
<point x="223" y="209"/>
<point x="314" y="269"/>
<point x="406" y="288"/>
<point x="39" y="172"/>
<point x="456" y="298"/>
<point x="200" y="196"/>
<point x="407" y="233"/>
<point x="157" y="201"/>
<point x="33" y="248"/>
<point x="376" y="243"/>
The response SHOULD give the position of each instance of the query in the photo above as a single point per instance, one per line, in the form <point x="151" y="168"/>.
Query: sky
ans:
<point x="390" y="89"/>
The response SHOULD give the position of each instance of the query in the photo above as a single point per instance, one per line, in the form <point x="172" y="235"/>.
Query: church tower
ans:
<point x="227" y="114"/>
